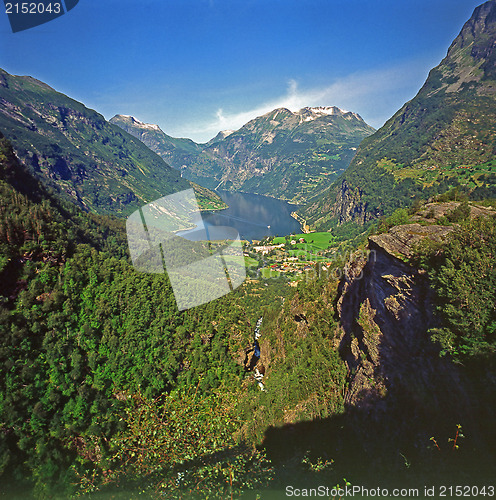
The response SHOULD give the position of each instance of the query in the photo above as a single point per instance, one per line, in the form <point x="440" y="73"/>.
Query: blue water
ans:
<point x="254" y="216"/>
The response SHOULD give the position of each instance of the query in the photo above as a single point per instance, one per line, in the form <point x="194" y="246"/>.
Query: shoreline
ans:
<point x="304" y="227"/>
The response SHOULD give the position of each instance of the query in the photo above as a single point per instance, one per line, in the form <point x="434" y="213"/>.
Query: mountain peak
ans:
<point x="482" y="22"/>
<point x="471" y="58"/>
<point x="445" y="137"/>
<point x="279" y="115"/>
<point x="220" y="136"/>
<point x="324" y="110"/>
<point x="261" y="156"/>
<point x="311" y="113"/>
<point x="225" y="133"/>
<point x="131" y="120"/>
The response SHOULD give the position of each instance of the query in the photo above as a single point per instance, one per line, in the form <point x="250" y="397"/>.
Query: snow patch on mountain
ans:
<point x="316" y="112"/>
<point x="226" y="133"/>
<point x="141" y="124"/>
<point x="327" y="110"/>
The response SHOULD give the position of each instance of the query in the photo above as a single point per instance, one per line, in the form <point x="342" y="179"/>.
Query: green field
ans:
<point x="267" y="272"/>
<point x="314" y="242"/>
<point x="250" y="262"/>
<point x="320" y="241"/>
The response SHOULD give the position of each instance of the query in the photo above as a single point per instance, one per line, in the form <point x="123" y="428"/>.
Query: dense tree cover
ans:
<point x="397" y="218"/>
<point x="89" y="348"/>
<point x="463" y="276"/>
<point x="191" y="442"/>
<point x="80" y="329"/>
<point x="105" y="387"/>
<point x="306" y="375"/>
<point x="84" y="335"/>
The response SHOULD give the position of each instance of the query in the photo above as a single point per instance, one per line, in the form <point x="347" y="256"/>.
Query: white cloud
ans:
<point x="375" y="95"/>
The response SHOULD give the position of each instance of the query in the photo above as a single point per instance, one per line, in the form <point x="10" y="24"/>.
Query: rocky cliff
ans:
<point x="385" y="307"/>
<point x="385" y="311"/>
<point x="403" y="405"/>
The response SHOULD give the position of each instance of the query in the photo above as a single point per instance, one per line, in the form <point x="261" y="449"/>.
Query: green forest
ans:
<point x="360" y="353"/>
<point x="106" y="388"/>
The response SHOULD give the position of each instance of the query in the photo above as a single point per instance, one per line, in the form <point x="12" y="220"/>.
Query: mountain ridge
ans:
<point x="442" y="138"/>
<point x="282" y="154"/>
<point x="76" y="151"/>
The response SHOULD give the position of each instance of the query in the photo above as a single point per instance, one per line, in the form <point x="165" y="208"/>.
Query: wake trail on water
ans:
<point x="240" y="219"/>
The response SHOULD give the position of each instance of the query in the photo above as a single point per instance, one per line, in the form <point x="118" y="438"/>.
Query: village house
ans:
<point x="267" y="248"/>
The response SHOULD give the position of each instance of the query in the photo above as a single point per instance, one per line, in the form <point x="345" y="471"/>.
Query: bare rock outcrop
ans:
<point x="350" y="206"/>
<point x="385" y="309"/>
<point x="400" y="240"/>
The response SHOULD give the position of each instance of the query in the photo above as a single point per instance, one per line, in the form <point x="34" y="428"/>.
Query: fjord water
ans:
<point x="254" y="216"/>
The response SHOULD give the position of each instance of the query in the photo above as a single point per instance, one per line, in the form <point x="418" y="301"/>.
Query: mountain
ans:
<point x="220" y="136"/>
<point x="444" y="137"/>
<point x="175" y="152"/>
<point x="91" y="161"/>
<point x="288" y="155"/>
<point x="281" y="154"/>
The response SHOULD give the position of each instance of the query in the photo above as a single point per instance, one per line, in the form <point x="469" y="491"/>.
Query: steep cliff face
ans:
<point x="350" y="205"/>
<point x="385" y="310"/>
<point x="397" y="382"/>
<point x="343" y="203"/>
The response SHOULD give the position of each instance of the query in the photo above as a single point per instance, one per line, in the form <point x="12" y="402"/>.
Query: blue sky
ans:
<point x="195" y="67"/>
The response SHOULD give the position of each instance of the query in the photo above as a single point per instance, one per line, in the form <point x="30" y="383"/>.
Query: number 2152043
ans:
<point x="33" y="8"/>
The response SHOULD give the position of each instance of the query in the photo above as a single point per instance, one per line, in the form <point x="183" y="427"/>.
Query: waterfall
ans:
<point x="257" y="375"/>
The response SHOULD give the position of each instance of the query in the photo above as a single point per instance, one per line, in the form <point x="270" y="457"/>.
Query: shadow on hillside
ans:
<point x="391" y="447"/>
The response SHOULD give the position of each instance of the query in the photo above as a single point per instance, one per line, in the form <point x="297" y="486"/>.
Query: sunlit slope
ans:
<point x="444" y="137"/>
<point x="94" y="163"/>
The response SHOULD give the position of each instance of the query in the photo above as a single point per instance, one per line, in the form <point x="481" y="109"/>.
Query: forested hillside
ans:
<point x="85" y="339"/>
<point x="88" y="160"/>
<point x="81" y="329"/>
<point x="444" y="137"/>
<point x="106" y="387"/>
